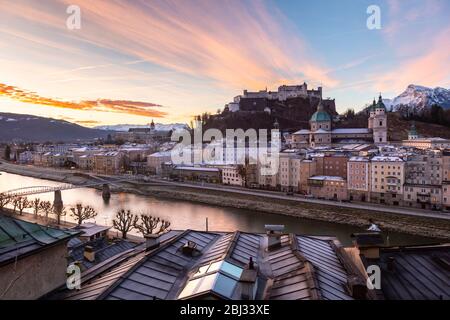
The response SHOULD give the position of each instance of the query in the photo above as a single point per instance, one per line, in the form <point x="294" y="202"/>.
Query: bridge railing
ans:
<point x="45" y="189"/>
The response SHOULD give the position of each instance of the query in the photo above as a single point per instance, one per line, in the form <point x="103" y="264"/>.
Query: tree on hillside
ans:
<point x="349" y="113"/>
<point x="46" y="207"/>
<point x="125" y="222"/>
<point x="437" y="114"/>
<point x="81" y="213"/>
<point x="35" y="204"/>
<point x="4" y="200"/>
<point x="148" y="224"/>
<point x="7" y="153"/>
<point x="22" y="204"/>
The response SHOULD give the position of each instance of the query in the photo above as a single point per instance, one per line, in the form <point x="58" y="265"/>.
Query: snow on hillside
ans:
<point x="418" y="98"/>
<point x="158" y="126"/>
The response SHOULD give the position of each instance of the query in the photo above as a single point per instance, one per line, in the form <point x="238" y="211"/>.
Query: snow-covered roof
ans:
<point x="160" y="154"/>
<point x="198" y="169"/>
<point x="302" y="131"/>
<point x="350" y="130"/>
<point x="321" y="131"/>
<point x="330" y="178"/>
<point x="359" y="159"/>
<point x="387" y="159"/>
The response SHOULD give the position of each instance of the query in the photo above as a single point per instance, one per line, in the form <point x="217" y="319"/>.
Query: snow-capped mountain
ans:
<point x="158" y="126"/>
<point x="416" y="99"/>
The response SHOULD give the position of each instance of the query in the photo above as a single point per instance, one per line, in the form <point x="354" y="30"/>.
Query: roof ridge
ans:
<point x="139" y="263"/>
<point x="310" y="273"/>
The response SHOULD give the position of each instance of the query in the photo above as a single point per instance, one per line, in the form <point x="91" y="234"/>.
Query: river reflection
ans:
<point x="187" y="215"/>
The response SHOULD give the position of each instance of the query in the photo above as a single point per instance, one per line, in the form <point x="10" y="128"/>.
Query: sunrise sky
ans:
<point x="132" y="61"/>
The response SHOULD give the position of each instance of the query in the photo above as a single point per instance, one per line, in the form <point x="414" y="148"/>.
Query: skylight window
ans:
<point x="219" y="277"/>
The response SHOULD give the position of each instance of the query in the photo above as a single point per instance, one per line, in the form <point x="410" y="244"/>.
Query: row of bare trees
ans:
<point x="46" y="208"/>
<point x="125" y="221"/>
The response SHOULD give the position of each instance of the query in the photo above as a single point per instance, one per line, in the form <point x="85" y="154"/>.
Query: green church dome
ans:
<point x="373" y="106"/>
<point x="380" y="104"/>
<point x="320" y="115"/>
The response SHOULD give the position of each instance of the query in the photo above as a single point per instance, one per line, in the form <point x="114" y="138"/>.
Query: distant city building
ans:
<point x="358" y="178"/>
<point x="427" y="143"/>
<point x="387" y="178"/>
<point x="232" y="176"/>
<point x="328" y="187"/>
<point x="146" y="135"/>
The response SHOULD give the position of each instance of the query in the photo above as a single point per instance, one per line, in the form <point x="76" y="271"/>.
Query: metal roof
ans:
<point x="20" y="238"/>
<point x="154" y="276"/>
<point x="418" y="273"/>
<point x="102" y="248"/>
<point x="330" y="272"/>
<point x="303" y="267"/>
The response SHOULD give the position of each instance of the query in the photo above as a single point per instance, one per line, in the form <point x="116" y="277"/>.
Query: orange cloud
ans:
<point x="88" y="122"/>
<point x="138" y="108"/>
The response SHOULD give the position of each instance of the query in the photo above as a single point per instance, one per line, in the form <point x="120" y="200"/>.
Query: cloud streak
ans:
<point x="237" y="44"/>
<point x="139" y="108"/>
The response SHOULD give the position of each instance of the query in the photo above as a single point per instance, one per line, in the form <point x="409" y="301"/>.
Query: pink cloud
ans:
<point x="426" y="69"/>
<point x="233" y="43"/>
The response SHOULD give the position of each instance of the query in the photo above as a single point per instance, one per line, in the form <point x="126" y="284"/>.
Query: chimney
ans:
<point x="274" y="233"/>
<point x="89" y="253"/>
<point x="368" y="244"/>
<point x="357" y="287"/>
<point x="190" y="249"/>
<point x="151" y="241"/>
<point x="248" y="281"/>
<point x="390" y="263"/>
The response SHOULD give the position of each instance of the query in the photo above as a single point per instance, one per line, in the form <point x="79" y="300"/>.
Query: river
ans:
<point x="188" y="215"/>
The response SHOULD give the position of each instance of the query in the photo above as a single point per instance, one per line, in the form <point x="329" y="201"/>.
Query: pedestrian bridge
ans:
<point x="27" y="191"/>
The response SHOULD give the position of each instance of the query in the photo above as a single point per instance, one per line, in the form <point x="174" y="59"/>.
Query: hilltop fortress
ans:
<point x="284" y="93"/>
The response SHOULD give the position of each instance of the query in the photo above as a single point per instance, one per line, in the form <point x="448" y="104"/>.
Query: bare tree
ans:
<point x="242" y="172"/>
<point x="164" y="226"/>
<point x="125" y="221"/>
<point x="59" y="214"/>
<point x="4" y="200"/>
<point x="35" y="204"/>
<point x="15" y="203"/>
<point x="22" y="204"/>
<point x="81" y="213"/>
<point x="148" y="224"/>
<point x="46" y="207"/>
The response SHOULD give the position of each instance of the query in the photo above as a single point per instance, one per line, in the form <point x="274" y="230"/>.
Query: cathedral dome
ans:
<point x="320" y="114"/>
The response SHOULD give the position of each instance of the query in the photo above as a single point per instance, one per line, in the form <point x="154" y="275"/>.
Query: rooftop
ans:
<point x="20" y="238"/>
<point x="387" y="159"/>
<point x="329" y="178"/>
<point x="301" y="267"/>
<point x="414" y="273"/>
<point x="350" y="130"/>
<point x="89" y="229"/>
